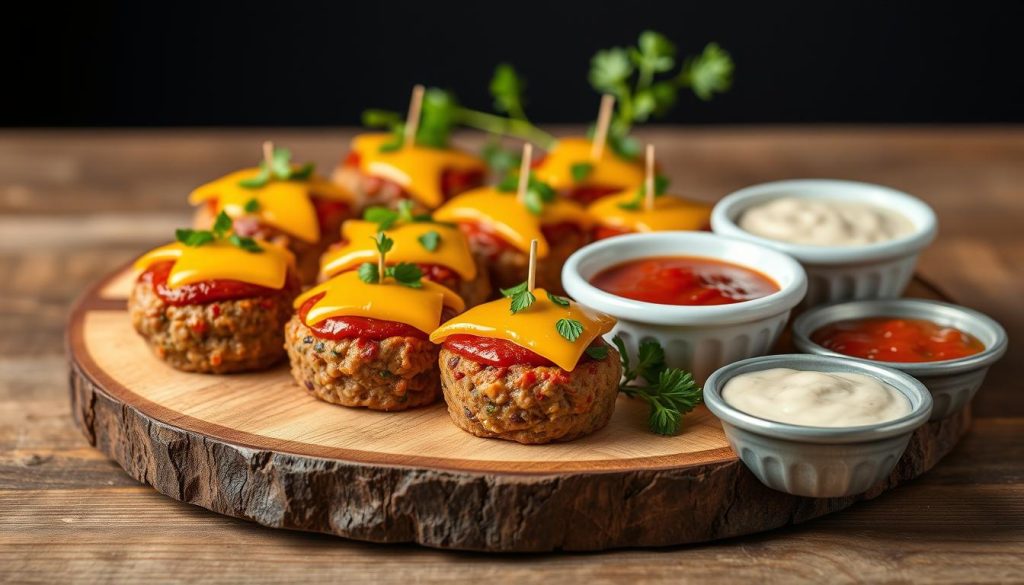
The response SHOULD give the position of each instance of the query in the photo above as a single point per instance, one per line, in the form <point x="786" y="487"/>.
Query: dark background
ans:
<point x="289" y="63"/>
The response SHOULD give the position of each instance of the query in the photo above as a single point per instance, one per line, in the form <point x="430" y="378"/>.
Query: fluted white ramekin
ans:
<point x="818" y="462"/>
<point x="953" y="383"/>
<point x="696" y="338"/>
<point x="839" y="273"/>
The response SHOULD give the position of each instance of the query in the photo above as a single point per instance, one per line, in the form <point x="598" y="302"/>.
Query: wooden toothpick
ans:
<point x="524" y="173"/>
<point x="412" y="119"/>
<point x="649" y="180"/>
<point x="268" y="153"/>
<point x="604" y="119"/>
<point x="531" y="277"/>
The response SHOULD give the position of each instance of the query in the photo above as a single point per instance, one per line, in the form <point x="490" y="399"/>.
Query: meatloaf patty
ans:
<point x="218" y="337"/>
<point x="530" y="404"/>
<point x="507" y="266"/>
<point x="394" y="373"/>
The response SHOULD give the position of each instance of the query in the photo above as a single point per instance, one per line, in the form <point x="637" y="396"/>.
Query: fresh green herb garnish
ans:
<point x="560" y="301"/>
<point x="280" y="168"/>
<point x="570" y="329"/>
<point x="521" y="297"/>
<point x="386" y="218"/>
<point x="597" y="352"/>
<point x="252" y="205"/>
<point x="631" y="75"/>
<point x="580" y="171"/>
<point x="660" y="187"/>
<point x="404" y="273"/>
<point x="221" y="229"/>
<point x="537" y="192"/>
<point x="430" y="240"/>
<point x="671" y="392"/>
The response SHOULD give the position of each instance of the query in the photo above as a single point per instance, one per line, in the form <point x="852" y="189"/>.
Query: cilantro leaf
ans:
<point x="430" y="240"/>
<point x="382" y="216"/>
<point x="507" y="89"/>
<point x="508" y="184"/>
<point x="656" y="53"/>
<point x="560" y="301"/>
<point x="405" y="210"/>
<point x="221" y="225"/>
<point x="281" y="164"/>
<point x="708" y="73"/>
<point x="513" y="291"/>
<point x="406" y="274"/>
<point x="252" y="205"/>
<point x="521" y="301"/>
<point x="193" y="238"/>
<point x="303" y="173"/>
<point x="650" y="360"/>
<point x="500" y="160"/>
<point x="383" y="242"/>
<point x="670" y="392"/>
<point x="580" y="171"/>
<point x="623" y="354"/>
<point x="570" y="329"/>
<point x="381" y="119"/>
<point x="247" y="244"/>
<point x="660" y="187"/>
<point x="259" y="180"/>
<point x="597" y="352"/>
<point x="368" y="273"/>
<point x="533" y="202"/>
<point x="610" y="70"/>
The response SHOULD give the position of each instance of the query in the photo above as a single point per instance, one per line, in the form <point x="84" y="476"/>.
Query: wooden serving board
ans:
<point x="256" y="446"/>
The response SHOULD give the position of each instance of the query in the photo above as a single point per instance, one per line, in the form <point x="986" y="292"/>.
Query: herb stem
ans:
<point x="505" y="127"/>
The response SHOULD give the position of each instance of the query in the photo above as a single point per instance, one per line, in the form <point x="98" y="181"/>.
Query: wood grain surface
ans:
<point x="75" y="204"/>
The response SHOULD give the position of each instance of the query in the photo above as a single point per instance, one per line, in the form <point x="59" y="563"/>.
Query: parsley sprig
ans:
<point x="278" y="167"/>
<point x="403" y="273"/>
<point x="221" y="230"/>
<point x="537" y="192"/>
<point x="671" y="392"/>
<point x="660" y="187"/>
<point x="631" y="74"/>
<point x="386" y="218"/>
<point x="521" y="297"/>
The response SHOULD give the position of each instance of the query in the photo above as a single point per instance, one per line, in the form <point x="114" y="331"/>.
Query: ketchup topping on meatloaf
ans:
<point x="207" y="291"/>
<point x="349" y="327"/>
<point x="500" y="352"/>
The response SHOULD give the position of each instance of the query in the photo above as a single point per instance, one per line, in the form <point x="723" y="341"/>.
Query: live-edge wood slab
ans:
<point x="256" y="446"/>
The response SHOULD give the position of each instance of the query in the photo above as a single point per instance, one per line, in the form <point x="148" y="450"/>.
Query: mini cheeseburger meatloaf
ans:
<point x="440" y="251"/>
<point x="359" y="340"/>
<point x="280" y="202"/>
<point x="627" y="213"/>
<point x="538" y="375"/>
<point x="610" y="173"/>
<point x="383" y="175"/>
<point x="214" y="304"/>
<point x="499" y="229"/>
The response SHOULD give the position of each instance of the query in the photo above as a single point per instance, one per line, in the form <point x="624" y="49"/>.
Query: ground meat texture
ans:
<point x="530" y="404"/>
<point x="219" y="337"/>
<point x="507" y="266"/>
<point x="390" y="374"/>
<point x="307" y="255"/>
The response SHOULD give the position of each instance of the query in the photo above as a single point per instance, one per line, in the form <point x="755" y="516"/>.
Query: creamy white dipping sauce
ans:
<point x="816" y="399"/>
<point x="824" y="222"/>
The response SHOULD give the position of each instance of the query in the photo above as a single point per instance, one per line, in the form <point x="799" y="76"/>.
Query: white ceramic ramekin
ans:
<point x="953" y="383"/>
<point x="839" y="273"/>
<point x="818" y="462"/>
<point x="696" y="338"/>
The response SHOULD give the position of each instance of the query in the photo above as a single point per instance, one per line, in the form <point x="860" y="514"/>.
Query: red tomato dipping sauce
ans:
<point x="892" y="339"/>
<point x="684" y="280"/>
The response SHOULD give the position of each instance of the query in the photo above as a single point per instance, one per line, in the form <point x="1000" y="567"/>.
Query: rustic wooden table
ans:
<point x="75" y="204"/>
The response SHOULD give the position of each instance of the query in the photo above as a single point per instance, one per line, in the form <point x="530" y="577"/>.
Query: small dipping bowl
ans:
<point x="952" y="383"/>
<point x="818" y="462"/>
<point x="696" y="338"/>
<point x="839" y="273"/>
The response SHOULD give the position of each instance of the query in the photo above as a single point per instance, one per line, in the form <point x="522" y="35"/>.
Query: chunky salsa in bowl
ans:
<point x="708" y="299"/>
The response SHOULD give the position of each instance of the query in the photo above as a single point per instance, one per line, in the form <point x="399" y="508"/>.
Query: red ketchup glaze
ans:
<point x="329" y="212"/>
<point x="453" y="182"/>
<point x="501" y="353"/>
<point x="891" y="339"/>
<point x="207" y="291"/>
<point x="587" y="194"/>
<point x="606" y="231"/>
<point x="684" y="280"/>
<point x="356" y="327"/>
<point x="490" y="244"/>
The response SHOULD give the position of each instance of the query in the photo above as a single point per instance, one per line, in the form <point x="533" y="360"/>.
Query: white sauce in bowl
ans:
<point x="824" y="222"/>
<point x="816" y="399"/>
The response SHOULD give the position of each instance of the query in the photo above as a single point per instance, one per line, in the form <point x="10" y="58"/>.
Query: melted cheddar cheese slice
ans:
<point x="532" y="328"/>
<point x="610" y="170"/>
<point x="285" y="205"/>
<point x="346" y="295"/>
<point x="503" y="214"/>
<point x="669" y="213"/>
<point x="417" y="169"/>
<point x="451" y="252"/>
<point x="221" y="261"/>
